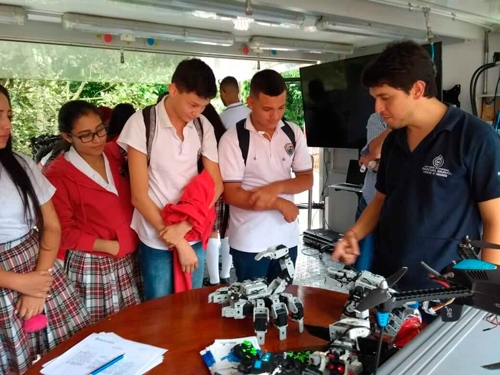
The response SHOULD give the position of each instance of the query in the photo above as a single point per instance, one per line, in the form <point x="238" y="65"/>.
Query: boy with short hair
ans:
<point x="182" y="136"/>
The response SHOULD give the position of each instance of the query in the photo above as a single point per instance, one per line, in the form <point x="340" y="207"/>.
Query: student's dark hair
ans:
<point x="229" y="81"/>
<point x="211" y="114"/>
<point x="268" y="82"/>
<point x="70" y="112"/>
<point x="194" y="75"/>
<point x="400" y="65"/>
<point x="17" y="168"/>
<point x="121" y="113"/>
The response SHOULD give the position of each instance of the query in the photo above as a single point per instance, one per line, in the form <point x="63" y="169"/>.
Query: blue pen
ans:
<point x="105" y="366"/>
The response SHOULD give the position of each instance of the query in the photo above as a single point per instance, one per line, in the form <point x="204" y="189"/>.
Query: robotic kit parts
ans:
<point x="338" y="359"/>
<point x="263" y="300"/>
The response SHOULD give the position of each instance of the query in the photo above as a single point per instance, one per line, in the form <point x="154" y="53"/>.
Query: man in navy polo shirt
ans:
<point x="439" y="174"/>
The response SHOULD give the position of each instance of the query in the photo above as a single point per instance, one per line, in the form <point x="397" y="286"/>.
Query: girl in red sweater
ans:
<point x="93" y="203"/>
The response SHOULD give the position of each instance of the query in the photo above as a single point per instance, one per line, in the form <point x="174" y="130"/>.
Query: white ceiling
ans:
<point x="450" y="21"/>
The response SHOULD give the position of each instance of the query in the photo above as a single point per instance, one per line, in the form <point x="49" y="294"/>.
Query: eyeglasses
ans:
<point x="101" y="132"/>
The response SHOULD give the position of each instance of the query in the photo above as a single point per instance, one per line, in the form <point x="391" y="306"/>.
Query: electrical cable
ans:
<point x="473" y="84"/>
<point x="442" y="283"/>
<point x="379" y="350"/>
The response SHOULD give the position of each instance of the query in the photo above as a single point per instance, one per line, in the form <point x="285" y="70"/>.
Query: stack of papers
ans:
<point x="100" y="348"/>
<point x="219" y="359"/>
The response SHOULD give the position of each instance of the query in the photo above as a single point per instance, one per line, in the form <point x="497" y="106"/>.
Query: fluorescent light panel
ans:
<point x="114" y="26"/>
<point x="443" y="11"/>
<point x="370" y="29"/>
<point x="13" y="15"/>
<point x="227" y="8"/>
<point x="279" y="44"/>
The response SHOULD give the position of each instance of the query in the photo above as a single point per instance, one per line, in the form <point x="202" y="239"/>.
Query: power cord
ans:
<point x="379" y="350"/>
<point x="382" y="321"/>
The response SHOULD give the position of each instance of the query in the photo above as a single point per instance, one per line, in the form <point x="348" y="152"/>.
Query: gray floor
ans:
<point x="310" y="268"/>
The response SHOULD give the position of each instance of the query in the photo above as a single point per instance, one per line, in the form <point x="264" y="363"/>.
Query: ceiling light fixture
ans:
<point x="242" y="23"/>
<point x="13" y="15"/>
<point x="279" y="44"/>
<point x="369" y="29"/>
<point x="139" y="29"/>
<point x="441" y="10"/>
<point x="227" y="8"/>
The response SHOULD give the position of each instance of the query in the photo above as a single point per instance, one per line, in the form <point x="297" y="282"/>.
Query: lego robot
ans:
<point x="358" y="284"/>
<point x="263" y="300"/>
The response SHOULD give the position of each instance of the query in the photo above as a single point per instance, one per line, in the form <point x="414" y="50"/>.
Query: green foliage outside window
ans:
<point x="36" y="103"/>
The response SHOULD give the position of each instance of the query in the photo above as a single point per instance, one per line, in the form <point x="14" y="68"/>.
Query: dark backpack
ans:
<point x="149" y="116"/>
<point x="244" y="137"/>
<point x="244" y="142"/>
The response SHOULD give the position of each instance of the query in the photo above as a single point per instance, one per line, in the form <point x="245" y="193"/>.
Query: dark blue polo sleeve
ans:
<point x="381" y="184"/>
<point x="483" y="164"/>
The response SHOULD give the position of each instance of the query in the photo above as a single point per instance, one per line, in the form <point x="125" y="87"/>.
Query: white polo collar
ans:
<point x="162" y="116"/>
<point x="249" y="126"/>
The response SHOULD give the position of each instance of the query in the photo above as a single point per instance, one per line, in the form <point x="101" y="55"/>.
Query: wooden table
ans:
<point x="185" y="323"/>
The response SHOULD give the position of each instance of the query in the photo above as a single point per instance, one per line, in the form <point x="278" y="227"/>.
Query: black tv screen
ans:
<point x="337" y="106"/>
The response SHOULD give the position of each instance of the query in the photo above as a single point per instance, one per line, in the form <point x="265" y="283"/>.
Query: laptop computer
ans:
<point x="354" y="179"/>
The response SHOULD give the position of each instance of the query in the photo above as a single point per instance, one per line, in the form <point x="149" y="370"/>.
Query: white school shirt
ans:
<point x="234" y="113"/>
<point x="79" y="163"/>
<point x="267" y="162"/>
<point x="13" y="224"/>
<point x="173" y="162"/>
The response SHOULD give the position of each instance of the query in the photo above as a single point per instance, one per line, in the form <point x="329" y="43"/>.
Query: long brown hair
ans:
<point x="16" y="168"/>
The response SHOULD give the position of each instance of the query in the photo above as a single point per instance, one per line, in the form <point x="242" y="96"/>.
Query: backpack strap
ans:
<point x="199" y="129"/>
<point x="149" y="115"/>
<point x="243" y="138"/>
<point x="289" y="132"/>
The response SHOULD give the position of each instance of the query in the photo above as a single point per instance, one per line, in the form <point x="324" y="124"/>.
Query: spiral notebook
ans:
<point x="98" y="349"/>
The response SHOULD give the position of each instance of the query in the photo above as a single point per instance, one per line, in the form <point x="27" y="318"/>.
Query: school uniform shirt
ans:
<point x="173" y="162"/>
<point x="89" y="208"/>
<point x="267" y="162"/>
<point x="13" y="223"/>
<point x="234" y="113"/>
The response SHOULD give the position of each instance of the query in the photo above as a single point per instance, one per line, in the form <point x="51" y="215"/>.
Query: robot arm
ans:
<point x="274" y="252"/>
<point x="296" y="309"/>
<point x="280" y="315"/>
<point x="260" y="320"/>
<point x="221" y="295"/>
<point x="286" y="264"/>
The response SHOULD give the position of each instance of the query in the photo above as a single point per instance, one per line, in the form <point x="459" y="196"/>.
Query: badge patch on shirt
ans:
<point x="436" y="169"/>
<point x="289" y="149"/>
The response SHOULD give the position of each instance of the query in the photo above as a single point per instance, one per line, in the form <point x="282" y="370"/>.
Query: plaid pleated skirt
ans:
<point x="220" y="209"/>
<point x="106" y="285"/>
<point x="64" y="309"/>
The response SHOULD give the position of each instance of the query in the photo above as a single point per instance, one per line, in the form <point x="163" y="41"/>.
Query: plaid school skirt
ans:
<point x="63" y="308"/>
<point x="220" y="209"/>
<point x="106" y="285"/>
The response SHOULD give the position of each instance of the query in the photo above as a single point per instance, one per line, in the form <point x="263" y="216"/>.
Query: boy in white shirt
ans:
<point x="159" y="176"/>
<point x="230" y="95"/>
<point x="258" y="181"/>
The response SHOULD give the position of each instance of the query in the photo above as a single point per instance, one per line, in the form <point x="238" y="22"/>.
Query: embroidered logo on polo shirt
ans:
<point x="436" y="169"/>
<point x="289" y="149"/>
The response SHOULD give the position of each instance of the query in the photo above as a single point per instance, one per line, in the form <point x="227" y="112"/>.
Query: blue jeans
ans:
<point x="247" y="268"/>
<point x="158" y="272"/>
<point x="366" y="245"/>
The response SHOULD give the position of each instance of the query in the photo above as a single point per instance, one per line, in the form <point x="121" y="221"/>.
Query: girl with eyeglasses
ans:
<point x="93" y="202"/>
<point x="30" y="282"/>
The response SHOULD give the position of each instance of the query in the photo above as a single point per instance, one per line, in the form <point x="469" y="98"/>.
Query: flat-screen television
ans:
<point x="337" y="106"/>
